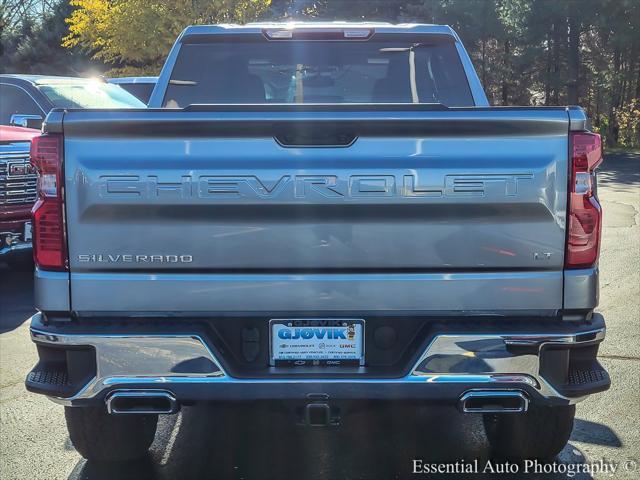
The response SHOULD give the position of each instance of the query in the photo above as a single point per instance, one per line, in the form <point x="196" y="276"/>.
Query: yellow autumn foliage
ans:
<point x="140" y="33"/>
<point x="628" y="117"/>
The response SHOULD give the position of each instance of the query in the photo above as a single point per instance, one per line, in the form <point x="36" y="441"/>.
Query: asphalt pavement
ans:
<point x="254" y="441"/>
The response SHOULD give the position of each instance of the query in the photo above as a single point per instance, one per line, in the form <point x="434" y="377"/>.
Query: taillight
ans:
<point x="49" y="246"/>
<point x="585" y="214"/>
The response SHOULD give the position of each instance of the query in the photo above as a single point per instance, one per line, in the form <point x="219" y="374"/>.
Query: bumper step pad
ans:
<point x="583" y="379"/>
<point x="56" y="378"/>
<point x="49" y="379"/>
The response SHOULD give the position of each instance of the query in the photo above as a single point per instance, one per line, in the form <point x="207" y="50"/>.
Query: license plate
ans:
<point x="27" y="232"/>
<point x="311" y="342"/>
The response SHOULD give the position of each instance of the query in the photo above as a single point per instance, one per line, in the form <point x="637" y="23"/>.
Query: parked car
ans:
<point x="323" y="214"/>
<point x="17" y="189"/>
<point x="25" y="100"/>
<point x="140" y="87"/>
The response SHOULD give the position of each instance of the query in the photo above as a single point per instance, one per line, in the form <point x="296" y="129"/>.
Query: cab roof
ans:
<point x="377" y="27"/>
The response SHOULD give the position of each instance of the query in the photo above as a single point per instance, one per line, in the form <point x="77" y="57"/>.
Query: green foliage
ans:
<point x="628" y="118"/>
<point x="136" y="35"/>
<point x="526" y="52"/>
<point x="35" y="47"/>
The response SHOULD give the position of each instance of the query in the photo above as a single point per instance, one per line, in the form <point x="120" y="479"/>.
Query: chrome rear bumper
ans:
<point x="178" y="362"/>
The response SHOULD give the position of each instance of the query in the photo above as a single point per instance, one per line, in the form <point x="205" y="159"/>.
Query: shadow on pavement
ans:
<point x="594" y="433"/>
<point x="261" y="442"/>
<point x="16" y="292"/>
<point x="623" y="169"/>
<point x="136" y="470"/>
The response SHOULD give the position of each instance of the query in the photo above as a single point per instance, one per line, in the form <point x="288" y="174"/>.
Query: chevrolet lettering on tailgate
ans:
<point x="305" y="186"/>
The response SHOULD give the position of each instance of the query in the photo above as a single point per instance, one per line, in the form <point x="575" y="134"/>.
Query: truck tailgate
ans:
<point x="419" y="211"/>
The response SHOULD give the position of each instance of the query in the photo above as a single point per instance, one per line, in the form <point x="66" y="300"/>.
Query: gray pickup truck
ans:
<point x="317" y="215"/>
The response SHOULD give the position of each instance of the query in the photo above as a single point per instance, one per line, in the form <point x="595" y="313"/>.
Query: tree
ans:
<point x="349" y="10"/>
<point x="526" y="52"/>
<point x="32" y="44"/>
<point x="136" y="35"/>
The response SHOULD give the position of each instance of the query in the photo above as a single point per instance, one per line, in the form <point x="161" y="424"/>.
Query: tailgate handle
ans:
<point x="315" y="137"/>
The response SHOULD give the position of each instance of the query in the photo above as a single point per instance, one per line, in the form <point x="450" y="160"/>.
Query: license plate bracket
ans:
<point x="317" y="342"/>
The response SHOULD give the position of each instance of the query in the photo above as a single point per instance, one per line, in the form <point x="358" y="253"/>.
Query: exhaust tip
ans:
<point x="494" y="401"/>
<point x="141" y="402"/>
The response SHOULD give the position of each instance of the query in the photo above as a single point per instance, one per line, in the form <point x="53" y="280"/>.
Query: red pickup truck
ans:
<point x="17" y="189"/>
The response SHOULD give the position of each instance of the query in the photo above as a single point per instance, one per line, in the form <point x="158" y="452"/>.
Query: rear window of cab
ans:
<point x="385" y="69"/>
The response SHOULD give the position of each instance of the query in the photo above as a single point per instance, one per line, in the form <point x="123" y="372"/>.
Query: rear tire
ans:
<point x="101" y="437"/>
<point x="540" y="433"/>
